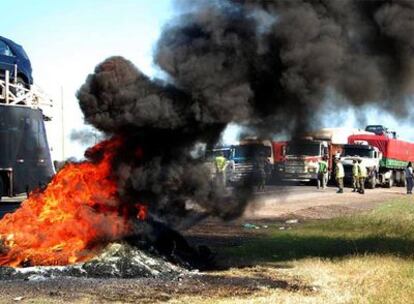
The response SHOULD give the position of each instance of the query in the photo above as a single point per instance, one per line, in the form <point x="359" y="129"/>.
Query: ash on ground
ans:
<point x="118" y="260"/>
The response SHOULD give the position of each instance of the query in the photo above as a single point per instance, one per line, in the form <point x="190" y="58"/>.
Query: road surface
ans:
<point x="275" y="201"/>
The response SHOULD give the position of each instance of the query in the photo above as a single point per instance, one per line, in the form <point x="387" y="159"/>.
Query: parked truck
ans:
<point x="303" y="155"/>
<point x="25" y="162"/>
<point x="370" y="157"/>
<point x="393" y="156"/>
<point x="244" y="155"/>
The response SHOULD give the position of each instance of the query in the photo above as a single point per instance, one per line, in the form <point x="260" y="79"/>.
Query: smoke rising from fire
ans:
<point x="267" y="64"/>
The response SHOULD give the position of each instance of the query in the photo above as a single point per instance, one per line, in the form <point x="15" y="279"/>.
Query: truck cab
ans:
<point x="370" y="157"/>
<point x="243" y="157"/>
<point x="302" y="157"/>
<point x="381" y="130"/>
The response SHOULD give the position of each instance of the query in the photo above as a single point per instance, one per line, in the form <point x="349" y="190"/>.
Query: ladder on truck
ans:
<point x="12" y="94"/>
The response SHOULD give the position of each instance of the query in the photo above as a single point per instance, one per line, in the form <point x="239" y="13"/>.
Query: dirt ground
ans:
<point x="273" y="207"/>
<point x="301" y="203"/>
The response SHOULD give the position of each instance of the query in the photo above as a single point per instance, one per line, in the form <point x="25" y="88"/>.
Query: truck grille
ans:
<point x="295" y="167"/>
<point x="243" y="169"/>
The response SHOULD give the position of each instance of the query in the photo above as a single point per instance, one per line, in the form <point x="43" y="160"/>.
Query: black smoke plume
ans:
<point x="266" y="64"/>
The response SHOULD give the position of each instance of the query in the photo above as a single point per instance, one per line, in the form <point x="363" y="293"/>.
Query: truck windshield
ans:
<point x="379" y="130"/>
<point x="210" y="154"/>
<point x="307" y="149"/>
<point x="358" y="152"/>
<point x="250" y="151"/>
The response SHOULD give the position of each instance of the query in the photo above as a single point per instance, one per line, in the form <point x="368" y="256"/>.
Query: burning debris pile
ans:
<point x="117" y="260"/>
<point x="261" y="63"/>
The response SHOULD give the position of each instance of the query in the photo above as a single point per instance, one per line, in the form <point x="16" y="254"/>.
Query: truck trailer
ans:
<point x="25" y="162"/>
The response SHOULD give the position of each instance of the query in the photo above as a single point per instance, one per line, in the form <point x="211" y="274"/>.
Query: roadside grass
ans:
<point x="365" y="258"/>
<point x="387" y="230"/>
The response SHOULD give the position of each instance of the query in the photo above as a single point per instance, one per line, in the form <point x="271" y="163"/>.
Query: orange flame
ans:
<point x="142" y="211"/>
<point x="70" y="220"/>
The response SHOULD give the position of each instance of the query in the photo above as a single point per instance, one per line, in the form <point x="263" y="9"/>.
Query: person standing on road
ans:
<point x="362" y="175"/>
<point x="221" y="163"/>
<point x="339" y="175"/>
<point x="355" y="176"/>
<point x="409" y="178"/>
<point x="322" y="173"/>
<point x="260" y="168"/>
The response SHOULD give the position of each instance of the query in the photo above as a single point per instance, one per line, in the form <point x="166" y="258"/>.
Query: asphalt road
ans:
<point x="289" y="194"/>
<point x="10" y="204"/>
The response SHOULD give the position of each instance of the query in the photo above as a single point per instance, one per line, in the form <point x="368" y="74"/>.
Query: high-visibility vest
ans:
<point x="340" y="173"/>
<point x="355" y="170"/>
<point x="362" y="170"/>
<point x="221" y="163"/>
<point x="323" y="167"/>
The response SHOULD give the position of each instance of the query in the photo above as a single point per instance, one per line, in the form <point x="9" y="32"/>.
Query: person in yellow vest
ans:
<point x="221" y="163"/>
<point x="362" y="175"/>
<point x="355" y="176"/>
<point x="339" y="175"/>
<point x="322" y="173"/>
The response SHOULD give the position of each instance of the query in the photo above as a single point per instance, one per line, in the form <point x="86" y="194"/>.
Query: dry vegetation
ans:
<point x="365" y="258"/>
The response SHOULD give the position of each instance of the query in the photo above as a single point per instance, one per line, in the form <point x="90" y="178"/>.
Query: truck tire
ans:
<point x="372" y="182"/>
<point x="20" y="87"/>
<point x="390" y="182"/>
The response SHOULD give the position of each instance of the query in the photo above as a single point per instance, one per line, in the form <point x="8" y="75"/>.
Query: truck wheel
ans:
<point x="372" y="182"/>
<point x="20" y="87"/>
<point x="390" y="182"/>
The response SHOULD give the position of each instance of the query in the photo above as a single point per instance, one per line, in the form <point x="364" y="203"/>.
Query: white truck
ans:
<point x="369" y="156"/>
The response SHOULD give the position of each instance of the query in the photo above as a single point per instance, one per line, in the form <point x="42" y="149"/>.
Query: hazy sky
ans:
<point x="66" y="39"/>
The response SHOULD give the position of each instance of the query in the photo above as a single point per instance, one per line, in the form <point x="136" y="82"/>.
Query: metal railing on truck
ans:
<point x="13" y="94"/>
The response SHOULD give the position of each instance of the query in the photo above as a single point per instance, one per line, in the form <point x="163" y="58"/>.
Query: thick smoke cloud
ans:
<point x="267" y="64"/>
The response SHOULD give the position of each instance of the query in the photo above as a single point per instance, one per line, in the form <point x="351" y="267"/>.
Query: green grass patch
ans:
<point x="387" y="230"/>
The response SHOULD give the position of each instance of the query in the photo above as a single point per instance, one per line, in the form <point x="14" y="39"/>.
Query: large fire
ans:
<point x="71" y="219"/>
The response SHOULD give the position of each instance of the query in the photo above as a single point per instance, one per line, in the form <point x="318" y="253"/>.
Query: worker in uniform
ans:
<point x="221" y="163"/>
<point x="339" y="175"/>
<point x="362" y="175"/>
<point x="409" y="178"/>
<point x="322" y="173"/>
<point x="261" y="166"/>
<point x="355" y="176"/>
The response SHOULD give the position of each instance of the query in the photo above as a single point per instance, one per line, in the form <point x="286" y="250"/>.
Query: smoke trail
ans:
<point x="268" y="64"/>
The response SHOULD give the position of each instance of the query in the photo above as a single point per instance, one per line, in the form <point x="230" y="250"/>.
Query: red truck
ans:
<point x="393" y="157"/>
<point x="303" y="155"/>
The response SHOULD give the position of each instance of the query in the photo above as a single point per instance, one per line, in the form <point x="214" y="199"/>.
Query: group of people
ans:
<point x="359" y="174"/>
